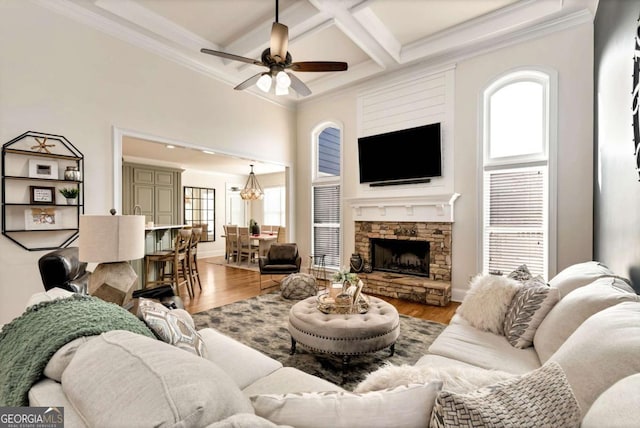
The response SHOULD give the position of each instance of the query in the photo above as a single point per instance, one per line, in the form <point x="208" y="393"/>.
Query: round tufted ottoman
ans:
<point x="344" y="334"/>
<point x="298" y="286"/>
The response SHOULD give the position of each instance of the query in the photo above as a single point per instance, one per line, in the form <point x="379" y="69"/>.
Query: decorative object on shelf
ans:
<point x="42" y="145"/>
<point x="71" y="193"/>
<point x="254" y="227"/>
<point x="367" y="268"/>
<point x="356" y="263"/>
<point x="112" y="241"/>
<point x="252" y="189"/>
<point x="41" y="219"/>
<point x="72" y="174"/>
<point x="42" y="195"/>
<point x="42" y="168"/>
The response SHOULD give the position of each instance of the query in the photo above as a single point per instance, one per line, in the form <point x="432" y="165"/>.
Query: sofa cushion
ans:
<point x="542" y="398"/>
<point x="49" y="393"/>
<point x="573" y="309"/>
<point x="243" y="364"/>
<point x="618" y="406"/>
<point x="171" y="327"/>
<point x="289" y="379"/>
<point x="487" y="301"/>
<point x="603" y="350"/>
<point x="245" y="420"/>
<point x="61" y="359"/>
<point x="578" y="275"/>
<point x="529" y="307"/>
<point x="47" y="296"/>
<point x="461" y="341"/>
<point x="158" y="384"/>
<point x="406" y="406"/>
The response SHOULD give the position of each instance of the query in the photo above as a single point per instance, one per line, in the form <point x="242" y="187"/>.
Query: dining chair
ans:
<point x="245" y="246"/>
<point x="265" y="228"/>
<point x="231" y="241"/>
<point x="282" y="235"/>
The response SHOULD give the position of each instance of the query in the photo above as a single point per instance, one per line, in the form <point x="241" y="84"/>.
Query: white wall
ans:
<point x="570" y="53"/>
<point x="62" y="77"/>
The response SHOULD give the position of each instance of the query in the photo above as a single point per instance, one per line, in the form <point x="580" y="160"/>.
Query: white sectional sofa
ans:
<point x="123" y="379"/>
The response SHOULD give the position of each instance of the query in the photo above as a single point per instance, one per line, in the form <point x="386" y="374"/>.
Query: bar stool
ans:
<point x="192" y="258"/>
<point x="171" y="265"/>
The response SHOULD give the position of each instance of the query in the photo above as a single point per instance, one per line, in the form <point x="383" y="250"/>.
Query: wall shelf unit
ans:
<point x="35" y="167"/>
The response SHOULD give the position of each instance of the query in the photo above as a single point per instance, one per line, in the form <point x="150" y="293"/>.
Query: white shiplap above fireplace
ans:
<point x="425" y="208"/>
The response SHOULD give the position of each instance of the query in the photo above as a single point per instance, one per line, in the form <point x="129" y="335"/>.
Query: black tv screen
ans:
<point x="406" y="155"/>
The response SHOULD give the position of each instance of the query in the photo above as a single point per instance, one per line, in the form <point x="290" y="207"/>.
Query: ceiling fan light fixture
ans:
<point x="264" y="82"/>
<point x="282" y="90"/>
<point x="283" y="79"/>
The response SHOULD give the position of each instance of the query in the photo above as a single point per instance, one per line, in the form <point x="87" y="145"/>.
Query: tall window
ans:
<point x="326" y="195"/>
<point x="516" y="185"/>
<point x="274" y="206"/>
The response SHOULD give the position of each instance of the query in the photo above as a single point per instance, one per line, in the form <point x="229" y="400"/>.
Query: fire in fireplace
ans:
<point x="400" y="256"/>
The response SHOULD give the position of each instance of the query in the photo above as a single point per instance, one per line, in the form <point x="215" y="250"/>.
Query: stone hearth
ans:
<point x="436" y="289"/>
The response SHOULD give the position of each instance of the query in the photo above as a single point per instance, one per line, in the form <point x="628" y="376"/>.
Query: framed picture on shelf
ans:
<point x="41" y="218"/>
<point x="42" y="168"/>
<point x="42" y="195"/>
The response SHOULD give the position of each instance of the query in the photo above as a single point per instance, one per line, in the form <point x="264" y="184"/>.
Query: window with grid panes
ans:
<point x="516" y="173"/>
<point x="326" y="205"/>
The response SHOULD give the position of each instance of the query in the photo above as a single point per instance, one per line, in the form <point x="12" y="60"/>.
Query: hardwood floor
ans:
<point x="222" y="285"/>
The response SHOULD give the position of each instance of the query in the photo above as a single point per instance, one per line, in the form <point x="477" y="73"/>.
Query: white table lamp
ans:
<point x="112" y="241"/>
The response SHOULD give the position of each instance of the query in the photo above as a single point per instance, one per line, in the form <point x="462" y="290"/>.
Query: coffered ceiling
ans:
<point x="373" y="36"/>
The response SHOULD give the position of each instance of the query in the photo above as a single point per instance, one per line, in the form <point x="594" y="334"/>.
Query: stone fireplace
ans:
<point x="410" y="223"/>
<point x="409" y="260"/>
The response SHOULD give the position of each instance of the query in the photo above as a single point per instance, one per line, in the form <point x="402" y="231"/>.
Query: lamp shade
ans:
<point x="111" y="238"/>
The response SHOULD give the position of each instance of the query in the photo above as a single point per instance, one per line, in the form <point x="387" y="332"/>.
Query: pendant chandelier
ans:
<point x="252" y="189"/>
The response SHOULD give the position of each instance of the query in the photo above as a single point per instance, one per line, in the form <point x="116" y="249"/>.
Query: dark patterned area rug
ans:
<point x="261" y="322"/>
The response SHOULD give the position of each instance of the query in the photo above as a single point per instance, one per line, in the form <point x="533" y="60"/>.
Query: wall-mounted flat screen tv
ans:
<point x="407" y="156"/>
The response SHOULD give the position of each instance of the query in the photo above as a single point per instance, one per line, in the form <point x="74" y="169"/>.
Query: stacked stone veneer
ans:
<point x="434" y="290"/>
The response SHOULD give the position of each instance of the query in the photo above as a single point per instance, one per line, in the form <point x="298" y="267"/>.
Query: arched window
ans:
<point x="518" y="132"/>
<point x="326" y="206"/>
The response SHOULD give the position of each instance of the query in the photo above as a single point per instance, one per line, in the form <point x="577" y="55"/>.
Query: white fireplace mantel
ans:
<point x="434" y="208"/>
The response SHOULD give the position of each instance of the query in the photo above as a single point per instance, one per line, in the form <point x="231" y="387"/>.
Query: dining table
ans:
<point x="264" y="242"/>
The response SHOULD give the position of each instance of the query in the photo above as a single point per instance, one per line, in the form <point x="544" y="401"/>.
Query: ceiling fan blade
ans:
<point x="299" y="86"/>
<point x="318" y="66"/>
<point x="231" y="56"/>
<point x="279" y="42"/>
<point x="249" y="82"/>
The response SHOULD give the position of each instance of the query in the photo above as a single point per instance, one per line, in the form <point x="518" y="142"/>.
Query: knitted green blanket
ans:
<point x="29" y="341"/>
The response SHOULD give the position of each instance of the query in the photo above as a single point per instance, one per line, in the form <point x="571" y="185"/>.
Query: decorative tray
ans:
<point x="341" y="304"/>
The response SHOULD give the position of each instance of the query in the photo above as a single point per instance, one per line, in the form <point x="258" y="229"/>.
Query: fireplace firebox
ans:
<point x="400" y="256"/>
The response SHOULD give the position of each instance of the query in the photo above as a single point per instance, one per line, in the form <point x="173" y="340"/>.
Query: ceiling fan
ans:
<point x="277" y="60"/>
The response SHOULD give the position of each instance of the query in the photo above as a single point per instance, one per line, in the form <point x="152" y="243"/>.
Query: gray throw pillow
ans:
<point x="527" y="310"/>
<point x="541" y="398"/>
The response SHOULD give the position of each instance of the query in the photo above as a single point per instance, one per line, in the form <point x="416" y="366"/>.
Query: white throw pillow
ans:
<point x="453" y="378"/>
<point x="487" y="301"/>
<point x="407" y="406"/>
<point x="529" y="307"/>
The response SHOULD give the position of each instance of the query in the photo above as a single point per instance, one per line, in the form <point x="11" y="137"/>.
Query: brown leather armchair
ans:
<point x="282" y="259"/>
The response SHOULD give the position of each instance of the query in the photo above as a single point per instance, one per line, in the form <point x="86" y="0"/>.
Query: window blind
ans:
<point x="514" y="217"/>
<point x="326" y="224"/>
